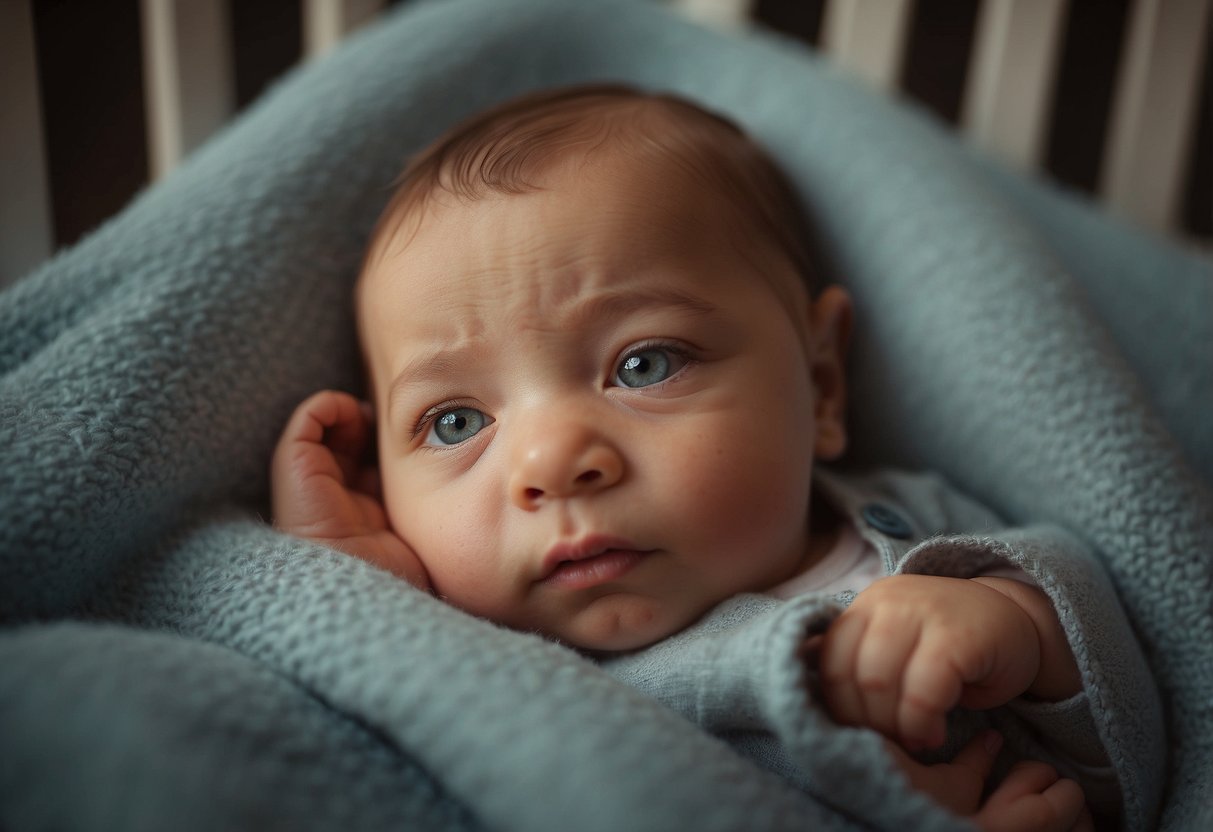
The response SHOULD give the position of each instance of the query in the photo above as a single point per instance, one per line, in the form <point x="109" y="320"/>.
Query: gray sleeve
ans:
<point x="719" y="673"/>
<point x="737" y="672"/>
<point x="1110" y="735"/>
<point x="740" y="675"/>
<point x="1067" y="735"/>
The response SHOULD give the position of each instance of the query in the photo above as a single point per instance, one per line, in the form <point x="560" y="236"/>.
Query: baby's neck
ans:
<point x="825" y="526"/>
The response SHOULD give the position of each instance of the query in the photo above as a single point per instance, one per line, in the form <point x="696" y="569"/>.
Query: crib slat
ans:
<point x="1154" y="110"/>
<point x="1007" y="93"/>
<point x="722" y="14"/>
<point x="25" y="216"/>
<point x="868" y="37"/>
<point x="325" y="22"/>
<point x="188" y="78"/>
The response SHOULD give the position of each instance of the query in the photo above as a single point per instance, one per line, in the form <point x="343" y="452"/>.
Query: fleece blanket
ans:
<point x="167" y="660"/>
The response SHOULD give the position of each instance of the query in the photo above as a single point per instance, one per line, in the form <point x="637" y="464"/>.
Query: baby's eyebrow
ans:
<point x="610" y="305"/>
<point x="431" y="365"/>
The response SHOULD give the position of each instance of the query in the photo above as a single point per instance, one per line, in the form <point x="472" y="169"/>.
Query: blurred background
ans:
<point x="74" y="75"/>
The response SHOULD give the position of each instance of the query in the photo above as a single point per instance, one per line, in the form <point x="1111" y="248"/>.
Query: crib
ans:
<point x="168" y="659"/>
<point x="1114" y="99"/>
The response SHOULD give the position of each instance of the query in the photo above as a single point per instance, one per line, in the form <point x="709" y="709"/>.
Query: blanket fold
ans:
<point x="170" y="661"/>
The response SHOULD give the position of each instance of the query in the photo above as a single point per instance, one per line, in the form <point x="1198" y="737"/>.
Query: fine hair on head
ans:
<point x="507" y="149"/>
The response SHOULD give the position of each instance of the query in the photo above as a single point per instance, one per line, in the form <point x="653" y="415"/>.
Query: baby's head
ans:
<point x="599" y="376"/>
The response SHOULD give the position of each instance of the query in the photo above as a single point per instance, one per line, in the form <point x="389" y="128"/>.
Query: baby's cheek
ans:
<point x="463" y="554"/>
<point x="443" y="548"/>
<point x="748" y="495"/>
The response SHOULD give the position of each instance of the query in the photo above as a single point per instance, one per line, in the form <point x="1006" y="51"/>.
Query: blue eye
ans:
<point x="458" y="425"/>
<point x="648" y="366"/>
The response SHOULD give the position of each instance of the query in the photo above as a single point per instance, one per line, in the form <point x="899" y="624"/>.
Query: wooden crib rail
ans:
<point x="1007" y="103"/>
<point x="188" y="94"/>
<point x="25" y="212"/>
<point x="1008" y="90"/>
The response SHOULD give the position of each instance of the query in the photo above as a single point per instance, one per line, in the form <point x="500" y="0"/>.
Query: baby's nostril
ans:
<point x="534" y="493"/>
<point x="588" y="476"/>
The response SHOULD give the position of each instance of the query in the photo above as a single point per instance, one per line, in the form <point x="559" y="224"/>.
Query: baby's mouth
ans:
<point x="590" y="561"/>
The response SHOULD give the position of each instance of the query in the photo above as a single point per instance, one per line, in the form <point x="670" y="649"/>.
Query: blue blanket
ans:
<point x="167" y="660"/>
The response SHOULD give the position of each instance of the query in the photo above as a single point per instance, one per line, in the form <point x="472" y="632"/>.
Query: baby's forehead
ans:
<point x="605" y="188"/>
<point x="608" y="182"/>
<point x="658" y="148"/>
<point x="589" y="239"/>
<point x="512" y="149"/>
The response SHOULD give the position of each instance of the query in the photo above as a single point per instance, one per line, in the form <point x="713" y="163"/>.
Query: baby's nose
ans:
<point x="574" y="460"/>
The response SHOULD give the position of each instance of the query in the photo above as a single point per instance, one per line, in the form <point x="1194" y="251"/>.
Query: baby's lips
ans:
<point x="583" y="548"/>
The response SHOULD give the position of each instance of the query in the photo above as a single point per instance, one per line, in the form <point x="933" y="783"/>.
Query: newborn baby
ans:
<point x="602" y="372"/>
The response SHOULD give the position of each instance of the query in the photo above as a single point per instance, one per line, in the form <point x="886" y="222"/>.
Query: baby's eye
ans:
<point x="648" y="366"/>
<point x="457" y="425"/>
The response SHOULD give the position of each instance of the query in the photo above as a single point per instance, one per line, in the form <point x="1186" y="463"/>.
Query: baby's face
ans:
<point x="596" y="415"/>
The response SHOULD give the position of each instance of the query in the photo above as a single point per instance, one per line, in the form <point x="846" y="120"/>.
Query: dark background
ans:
<point x="89" y="60"/>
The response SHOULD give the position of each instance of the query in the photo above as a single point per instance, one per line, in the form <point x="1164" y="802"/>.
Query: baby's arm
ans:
<point x="912" y="647"/>
<point x="322" y="490"/>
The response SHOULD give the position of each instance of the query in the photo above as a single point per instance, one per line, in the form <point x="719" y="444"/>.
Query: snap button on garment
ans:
<point x="886" y="521"/>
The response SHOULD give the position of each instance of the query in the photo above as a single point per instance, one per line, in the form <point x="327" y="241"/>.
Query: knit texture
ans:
<point x="169" y="661"/>
<point x="741" y="671"/>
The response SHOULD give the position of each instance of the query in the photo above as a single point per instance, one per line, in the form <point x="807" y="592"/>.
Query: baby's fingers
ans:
<point x="1034" y="797"/>
<point x="930" y="688"/>
<point x="338" y="422"/>
<point x="886" y="648"/>
<point x="839" y="655"/>
<point x="957" y="785"/>
<point x="337" y="419"/>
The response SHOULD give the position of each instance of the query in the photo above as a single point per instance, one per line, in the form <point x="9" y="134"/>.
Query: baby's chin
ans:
<point x="616" y="625"/>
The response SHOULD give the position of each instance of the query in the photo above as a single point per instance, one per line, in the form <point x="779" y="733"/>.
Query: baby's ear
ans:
<point x="830" y="318"/>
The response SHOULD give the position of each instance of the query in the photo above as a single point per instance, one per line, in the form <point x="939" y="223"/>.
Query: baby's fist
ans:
<point x="912" y="647"/>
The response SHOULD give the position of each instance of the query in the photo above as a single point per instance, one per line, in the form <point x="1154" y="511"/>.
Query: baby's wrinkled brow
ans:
<point x="612" y="305"/>
<point x="430" y="365"/>
<point x="443" y="361"/>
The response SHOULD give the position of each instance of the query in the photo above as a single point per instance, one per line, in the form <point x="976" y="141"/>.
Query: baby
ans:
<point x="600" y="377"/>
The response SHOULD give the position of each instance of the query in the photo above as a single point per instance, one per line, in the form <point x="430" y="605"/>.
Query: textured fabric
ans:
<point x="159" y="638"/>
<point x="1109" y="736"/>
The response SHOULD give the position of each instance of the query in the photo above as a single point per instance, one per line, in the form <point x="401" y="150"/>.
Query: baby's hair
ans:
<point x="506" y="148"/>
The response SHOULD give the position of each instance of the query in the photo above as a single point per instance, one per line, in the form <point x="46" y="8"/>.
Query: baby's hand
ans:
<point x="912" y="647"/>
<point x="324" y="492"/>
<point x="1032" y="798"/>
